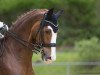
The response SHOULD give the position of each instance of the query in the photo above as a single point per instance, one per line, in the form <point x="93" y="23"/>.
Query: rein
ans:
<point x="25" y="43"/>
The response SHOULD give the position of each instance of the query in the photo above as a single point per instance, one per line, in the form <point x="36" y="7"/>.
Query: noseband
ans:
<point x="41" y="44"/>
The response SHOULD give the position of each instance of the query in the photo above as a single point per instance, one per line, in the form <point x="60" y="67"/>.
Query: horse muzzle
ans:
<point x="44" y="53"/>
<point x="47" y="59"/>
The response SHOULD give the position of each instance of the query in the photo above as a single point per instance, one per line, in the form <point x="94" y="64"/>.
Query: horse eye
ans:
<point x="47" y="31"/>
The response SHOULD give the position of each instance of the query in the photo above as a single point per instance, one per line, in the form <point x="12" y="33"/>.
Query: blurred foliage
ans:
<point x="88" y="50"/>
<point x="77" y="22"/>
<point x="10" y="9"/>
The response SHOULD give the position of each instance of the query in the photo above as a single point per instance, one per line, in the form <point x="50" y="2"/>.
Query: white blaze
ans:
<point x="53" y="40"/>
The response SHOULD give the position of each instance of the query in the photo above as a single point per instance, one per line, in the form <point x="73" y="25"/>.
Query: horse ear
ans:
<point x="50" y="12"/>
<point x="58" y="14"/>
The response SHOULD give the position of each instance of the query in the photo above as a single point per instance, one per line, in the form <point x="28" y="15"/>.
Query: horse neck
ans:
<point x="23" y="31"/>
<point x="18" y="55"/>
<point x="16" y="58"/>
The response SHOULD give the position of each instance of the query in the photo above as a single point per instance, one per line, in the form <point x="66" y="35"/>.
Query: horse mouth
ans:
<point x="46" y="59"/>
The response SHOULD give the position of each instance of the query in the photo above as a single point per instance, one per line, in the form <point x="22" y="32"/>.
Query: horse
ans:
<point x="33" y="32"/>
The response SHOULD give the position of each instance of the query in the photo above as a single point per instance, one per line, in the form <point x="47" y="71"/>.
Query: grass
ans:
<point x="50" y="70"/>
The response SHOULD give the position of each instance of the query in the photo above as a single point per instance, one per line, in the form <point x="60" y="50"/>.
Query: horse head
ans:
<point x="44" y="35"/>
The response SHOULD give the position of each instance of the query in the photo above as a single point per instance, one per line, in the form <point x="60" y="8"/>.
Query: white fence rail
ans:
<point x="70" y="64"/>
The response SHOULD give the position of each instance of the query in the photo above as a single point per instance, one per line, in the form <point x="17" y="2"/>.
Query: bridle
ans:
<point x="36" y="47"/>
